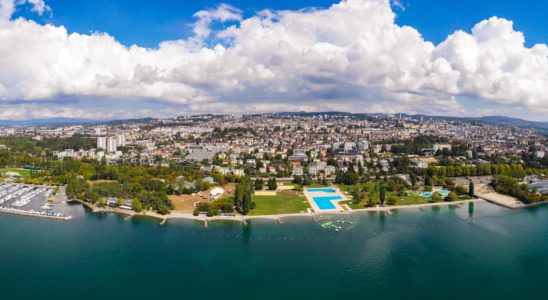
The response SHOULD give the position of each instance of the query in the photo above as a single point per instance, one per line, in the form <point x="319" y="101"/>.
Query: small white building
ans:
<point x="216" y="193"/>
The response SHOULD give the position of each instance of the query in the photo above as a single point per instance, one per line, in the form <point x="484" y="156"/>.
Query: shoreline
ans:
<point x="244" y="219"/>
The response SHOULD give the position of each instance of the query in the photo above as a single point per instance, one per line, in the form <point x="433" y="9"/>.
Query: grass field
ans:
<point x="285" y="202"/>
<point x="411" y="197"/>
<point x="22" y="172"/>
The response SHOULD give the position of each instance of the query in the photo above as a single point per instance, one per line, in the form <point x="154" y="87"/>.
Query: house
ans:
<point x="216" y="193"/>
<point x="313" y="170"/>
<point x="208" y="179"/>
<point x="297" y="171"/>
<point x="111" y="201"/>
<point x="329" y="170"/>
<point x="238" y="172"/>
<point x="441" y="147"/>
<point x="419" y="163"/>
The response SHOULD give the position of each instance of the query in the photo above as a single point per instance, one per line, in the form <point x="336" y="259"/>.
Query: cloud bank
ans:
<point x="351" y="56"/>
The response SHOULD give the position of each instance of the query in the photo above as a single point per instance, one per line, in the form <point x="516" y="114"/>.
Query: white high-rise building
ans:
<point x="364" y="145"/>
<point x="111" y="145"/>
<point x="102" y="142"/>
<point x="120" y="140"/>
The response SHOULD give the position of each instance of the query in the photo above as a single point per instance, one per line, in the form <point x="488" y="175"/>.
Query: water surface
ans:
<point x="468" y="252"/>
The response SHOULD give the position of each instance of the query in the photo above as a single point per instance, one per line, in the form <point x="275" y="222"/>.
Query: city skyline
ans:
<point x="236" y="57"/>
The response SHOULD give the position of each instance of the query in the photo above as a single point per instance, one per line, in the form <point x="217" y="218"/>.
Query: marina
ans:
<point x="28" y="200"/>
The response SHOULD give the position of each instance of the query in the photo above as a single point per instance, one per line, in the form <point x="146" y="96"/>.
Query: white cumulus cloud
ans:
<point x="8" y="7"/>
<point x="351" y="56"/>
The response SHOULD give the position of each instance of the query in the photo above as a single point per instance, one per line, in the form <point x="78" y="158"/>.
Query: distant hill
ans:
<point x="514" y="122"/>
<point x="45" y="122"/>
<point x="500" y="120"/>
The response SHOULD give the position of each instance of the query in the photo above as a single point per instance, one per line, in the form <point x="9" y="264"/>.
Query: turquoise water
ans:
<point x="442" y="192"/>
<point x="324" y="202"/>
<point x="323" y="190"/>
<point x="468" y="252"/>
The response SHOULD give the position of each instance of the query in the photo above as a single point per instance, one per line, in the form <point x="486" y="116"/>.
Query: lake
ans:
<point x="479" y="251"/>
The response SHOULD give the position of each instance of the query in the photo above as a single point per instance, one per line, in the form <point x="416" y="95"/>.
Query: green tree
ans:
<point x="163" y="209"/>
<point x="243" y="196"/>
<point x="427" y="181"/>
<point x="272" y="184"/>
<point x="452" y="197"/>
<point x="357" y="195"/>
<point x="259" y="183"/>
<point x="460" y="190"/>
<point x="136" y="205"/>
<point x="382" y="194"/>
<point x="413" y="180"/>
<point x="392" y="200"/>
<point x="436" y="197"/>
<point x="471" y="189"/>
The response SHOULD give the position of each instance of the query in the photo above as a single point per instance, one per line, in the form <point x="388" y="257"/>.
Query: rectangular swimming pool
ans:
<point x="322" y="190"/>
<point x="324" y="202"/>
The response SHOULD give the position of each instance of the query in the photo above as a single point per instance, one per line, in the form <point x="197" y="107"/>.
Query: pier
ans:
<point x="36" y="214"/>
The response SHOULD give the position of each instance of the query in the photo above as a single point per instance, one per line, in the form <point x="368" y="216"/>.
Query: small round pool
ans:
<point x="442" y="192"/>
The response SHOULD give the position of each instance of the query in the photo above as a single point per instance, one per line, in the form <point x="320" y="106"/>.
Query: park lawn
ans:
<point x="353" y="205"/>
<point x="22" y="172"/>
<point x="412" y="200"/>
<point x="464" y="197"/>
<point x="285" y="202"/>
<point x="348" y="188"/>
<point x="411" y="197"/>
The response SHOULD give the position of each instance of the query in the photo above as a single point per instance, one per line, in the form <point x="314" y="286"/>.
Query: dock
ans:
<point x="36" y="214"/>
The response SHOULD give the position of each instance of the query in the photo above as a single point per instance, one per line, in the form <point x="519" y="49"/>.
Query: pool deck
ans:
<point x="338" y="207"/>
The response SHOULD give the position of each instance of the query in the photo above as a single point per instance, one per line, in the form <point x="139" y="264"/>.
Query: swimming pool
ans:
<point x="322" y="190"/>
<point x="442" y="192"/>
<point x="324" y="202"/>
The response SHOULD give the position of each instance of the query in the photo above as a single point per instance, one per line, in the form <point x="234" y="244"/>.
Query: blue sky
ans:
<point x="316" y="55"/>
<point x="147" y="23"/>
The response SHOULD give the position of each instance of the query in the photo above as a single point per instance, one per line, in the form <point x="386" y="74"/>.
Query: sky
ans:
<point x="123" y="59"/>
